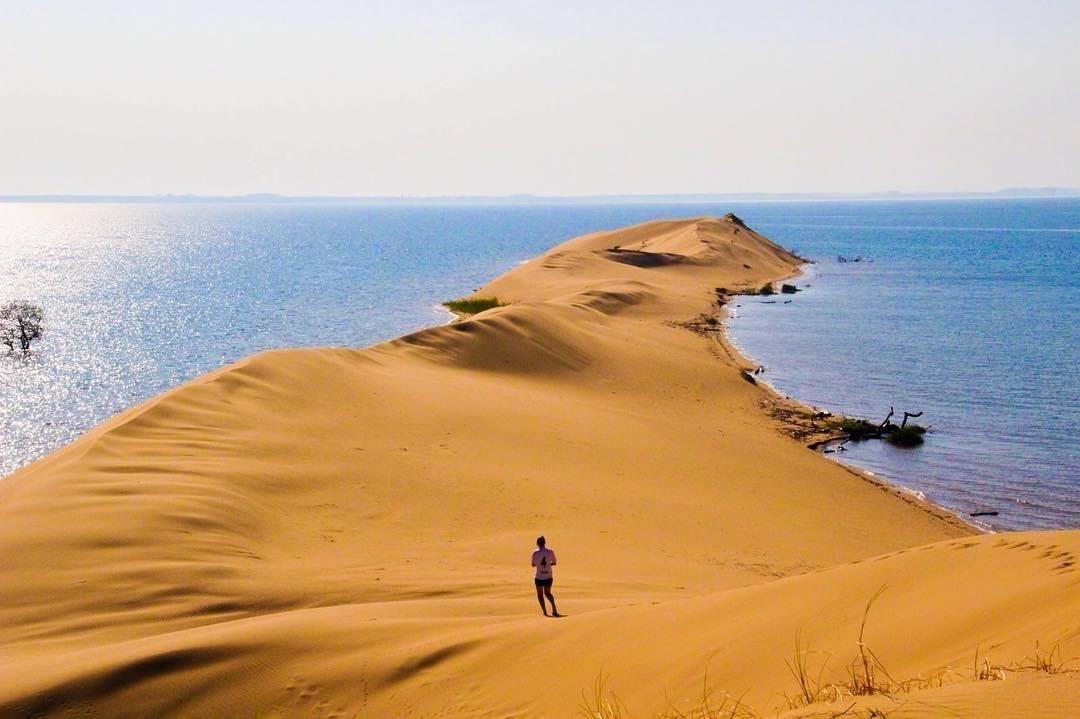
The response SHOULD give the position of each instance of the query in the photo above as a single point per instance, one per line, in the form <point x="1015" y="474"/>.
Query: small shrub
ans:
<point x="788" y="289"/>
<point x="858" y="429"/>
<point x="909" y="436"/>
<point x="767" y="289"/>
<point x="473" y="305"/>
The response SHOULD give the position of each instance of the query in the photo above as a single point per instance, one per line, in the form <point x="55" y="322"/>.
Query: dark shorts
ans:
<point x="544" y="582"/>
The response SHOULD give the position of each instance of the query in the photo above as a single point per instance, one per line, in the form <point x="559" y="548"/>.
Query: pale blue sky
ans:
<point x="414" y="98"/>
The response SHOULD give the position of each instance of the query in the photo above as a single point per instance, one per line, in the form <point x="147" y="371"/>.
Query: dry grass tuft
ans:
<point x="811" y="690"/>
<point x="866" y="677"/>
<point x="602" y="703"/>
<point x="864" y="673"/>
<point x="1047" y="661"/>
<point x="987" y="672"/>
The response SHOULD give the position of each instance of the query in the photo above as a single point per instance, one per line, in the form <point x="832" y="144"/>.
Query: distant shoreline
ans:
<point x="1012" y="193"/>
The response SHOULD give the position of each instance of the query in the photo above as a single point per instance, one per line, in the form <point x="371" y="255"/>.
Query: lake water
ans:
<point x="966" y="312"/>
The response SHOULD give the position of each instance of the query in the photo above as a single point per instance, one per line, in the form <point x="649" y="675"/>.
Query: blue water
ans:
<point x="966" y="312"/>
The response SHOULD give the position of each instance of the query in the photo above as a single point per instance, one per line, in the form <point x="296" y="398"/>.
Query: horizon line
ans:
<point x="1049" y="192"/>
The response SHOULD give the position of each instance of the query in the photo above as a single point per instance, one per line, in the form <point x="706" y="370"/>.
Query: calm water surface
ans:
<point x="966" y="312"/>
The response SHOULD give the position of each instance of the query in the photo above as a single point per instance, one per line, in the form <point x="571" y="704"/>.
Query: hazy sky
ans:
<point x="368" y="98"/>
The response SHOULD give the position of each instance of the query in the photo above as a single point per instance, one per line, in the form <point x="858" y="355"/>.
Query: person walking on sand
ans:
<point x="544" y="559"/>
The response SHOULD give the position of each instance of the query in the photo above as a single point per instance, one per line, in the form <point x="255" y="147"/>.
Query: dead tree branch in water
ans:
<point x="908" y="415"/>
<point x="858" y="430"/>
<point x="885" y="422"/>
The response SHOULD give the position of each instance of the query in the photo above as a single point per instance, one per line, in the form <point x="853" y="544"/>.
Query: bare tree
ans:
<point x="21" y="322"/>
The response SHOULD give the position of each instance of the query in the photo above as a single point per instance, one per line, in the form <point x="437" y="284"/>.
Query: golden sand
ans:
<point x="346" y="532"/>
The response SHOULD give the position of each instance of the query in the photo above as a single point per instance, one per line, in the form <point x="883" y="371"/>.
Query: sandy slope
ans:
<point x="337" y="532"/>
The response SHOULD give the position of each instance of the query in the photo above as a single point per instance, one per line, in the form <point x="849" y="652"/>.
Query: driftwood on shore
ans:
<point x="858" y="430"/>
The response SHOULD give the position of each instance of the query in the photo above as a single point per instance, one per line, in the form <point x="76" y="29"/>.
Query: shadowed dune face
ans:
<point x="345" y="532"/>
<point x="642" y="258"/>
<point x="519" y="338"/>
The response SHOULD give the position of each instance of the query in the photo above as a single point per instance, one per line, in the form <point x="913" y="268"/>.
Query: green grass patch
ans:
<point x="473" y="305"/>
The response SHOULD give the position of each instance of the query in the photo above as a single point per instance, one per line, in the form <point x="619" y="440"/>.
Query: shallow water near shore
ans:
<point x="964" y="310"/>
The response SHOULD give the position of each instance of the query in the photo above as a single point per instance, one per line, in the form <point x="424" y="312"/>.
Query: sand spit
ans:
<point x="345" y="532"/>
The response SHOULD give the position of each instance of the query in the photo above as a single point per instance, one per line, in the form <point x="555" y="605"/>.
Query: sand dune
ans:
<point x="345" y="532"/>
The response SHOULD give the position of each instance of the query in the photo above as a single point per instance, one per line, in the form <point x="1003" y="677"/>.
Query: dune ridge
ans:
<point x="343" y="532"/>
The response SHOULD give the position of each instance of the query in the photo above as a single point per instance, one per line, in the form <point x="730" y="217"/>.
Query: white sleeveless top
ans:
<point x="543" y="560"/>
